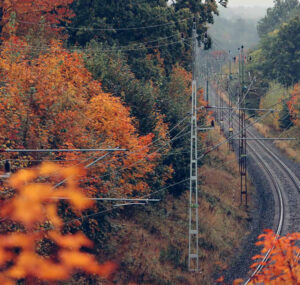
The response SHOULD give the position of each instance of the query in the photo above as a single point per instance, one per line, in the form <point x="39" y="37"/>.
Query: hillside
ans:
<point x="150" y="242"/>
<point x="115" y="169"/>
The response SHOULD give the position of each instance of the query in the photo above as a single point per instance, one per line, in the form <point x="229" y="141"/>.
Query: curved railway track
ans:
<point x="281" y="209"/>
<point x="285" y="187"/>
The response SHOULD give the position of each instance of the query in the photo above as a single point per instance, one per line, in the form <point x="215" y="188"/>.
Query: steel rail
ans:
<point x="292" y="175"/>
<point x="276" y="186"/>
<point x="295" y="180"/>
<point x="278" y="189"/>
<point x="265" y="139"/>
<point x="274" y="180"/>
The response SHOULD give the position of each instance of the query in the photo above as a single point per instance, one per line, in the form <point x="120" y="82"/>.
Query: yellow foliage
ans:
<point x="35" y="207"/>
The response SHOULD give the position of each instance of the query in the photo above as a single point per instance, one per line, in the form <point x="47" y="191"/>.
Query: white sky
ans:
<point x="249" y="3"/>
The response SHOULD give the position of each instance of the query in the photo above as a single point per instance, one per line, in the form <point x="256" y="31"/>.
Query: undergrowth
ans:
<point x="272" y="126"/>
<point x="150" y="243"/>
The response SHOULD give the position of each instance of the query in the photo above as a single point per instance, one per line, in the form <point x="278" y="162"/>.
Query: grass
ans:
<point x="269" y="127"/>
<point x="151" y="243"/>
<point x="290" y="148"/>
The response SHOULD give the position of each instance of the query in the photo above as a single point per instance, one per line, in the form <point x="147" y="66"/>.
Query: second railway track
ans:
<point x="285" y="187"/>
<point x="286" y="180"/>
<point x="284" y="183"/>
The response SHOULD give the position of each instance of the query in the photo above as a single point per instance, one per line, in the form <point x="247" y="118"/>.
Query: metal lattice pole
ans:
<point x="207" y="85"/>
<point x="230" y="110"/>
<point x="221" y="102"/>
<point x="193" y="258"/>
<point x="243" y="133"/>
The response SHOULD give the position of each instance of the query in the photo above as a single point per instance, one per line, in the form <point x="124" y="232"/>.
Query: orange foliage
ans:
<point x="180" y="83"/>
<point x="35" y="208"/>
<point x="52" y="102"/>
<point x="283" y="265"/>
<point x="43" y="98"/>
<point x="21" y="16"/>
<point x="294" y="105"/>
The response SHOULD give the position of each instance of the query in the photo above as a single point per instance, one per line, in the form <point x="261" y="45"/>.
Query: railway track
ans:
<point x="285" y="187"/>
<point x="281" y="209"/>
<point x="286" y="190"/>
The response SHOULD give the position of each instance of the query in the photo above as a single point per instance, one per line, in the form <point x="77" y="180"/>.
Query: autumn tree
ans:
<point x="117" y="77"/>
<point x="174" y="101"/>
<point x="294" y="105"/>
<point x="142" y="98"/>
<point x="282" y="266"/>
<point x="36" y="249"/>
<point x="53" y="102"/>
<point x="22" y="16"/>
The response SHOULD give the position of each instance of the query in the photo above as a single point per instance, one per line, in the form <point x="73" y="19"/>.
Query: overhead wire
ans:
<point x="60" y="183"/>
<point x="98" y="49"/>
<point x="148" y="145"/>
<point x="142" y="159"/>
<point x="176" y="137"/>
<point x="156" y="140"/>
<point x="271" y="111"/>
<point x="86" y="28"/>
<point x="290" y="124"/>
<point x="98" y="159"/>
<point x="86" y="167"/>
<point x="39" y="160"/>
<point x="210" y="149"/>
<point x="132" y="152"/>
<point x="116" y="47"/>
<point x="144" y="196"/>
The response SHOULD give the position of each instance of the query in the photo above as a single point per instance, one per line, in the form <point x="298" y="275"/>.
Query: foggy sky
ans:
<point x="236" y="3"/>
